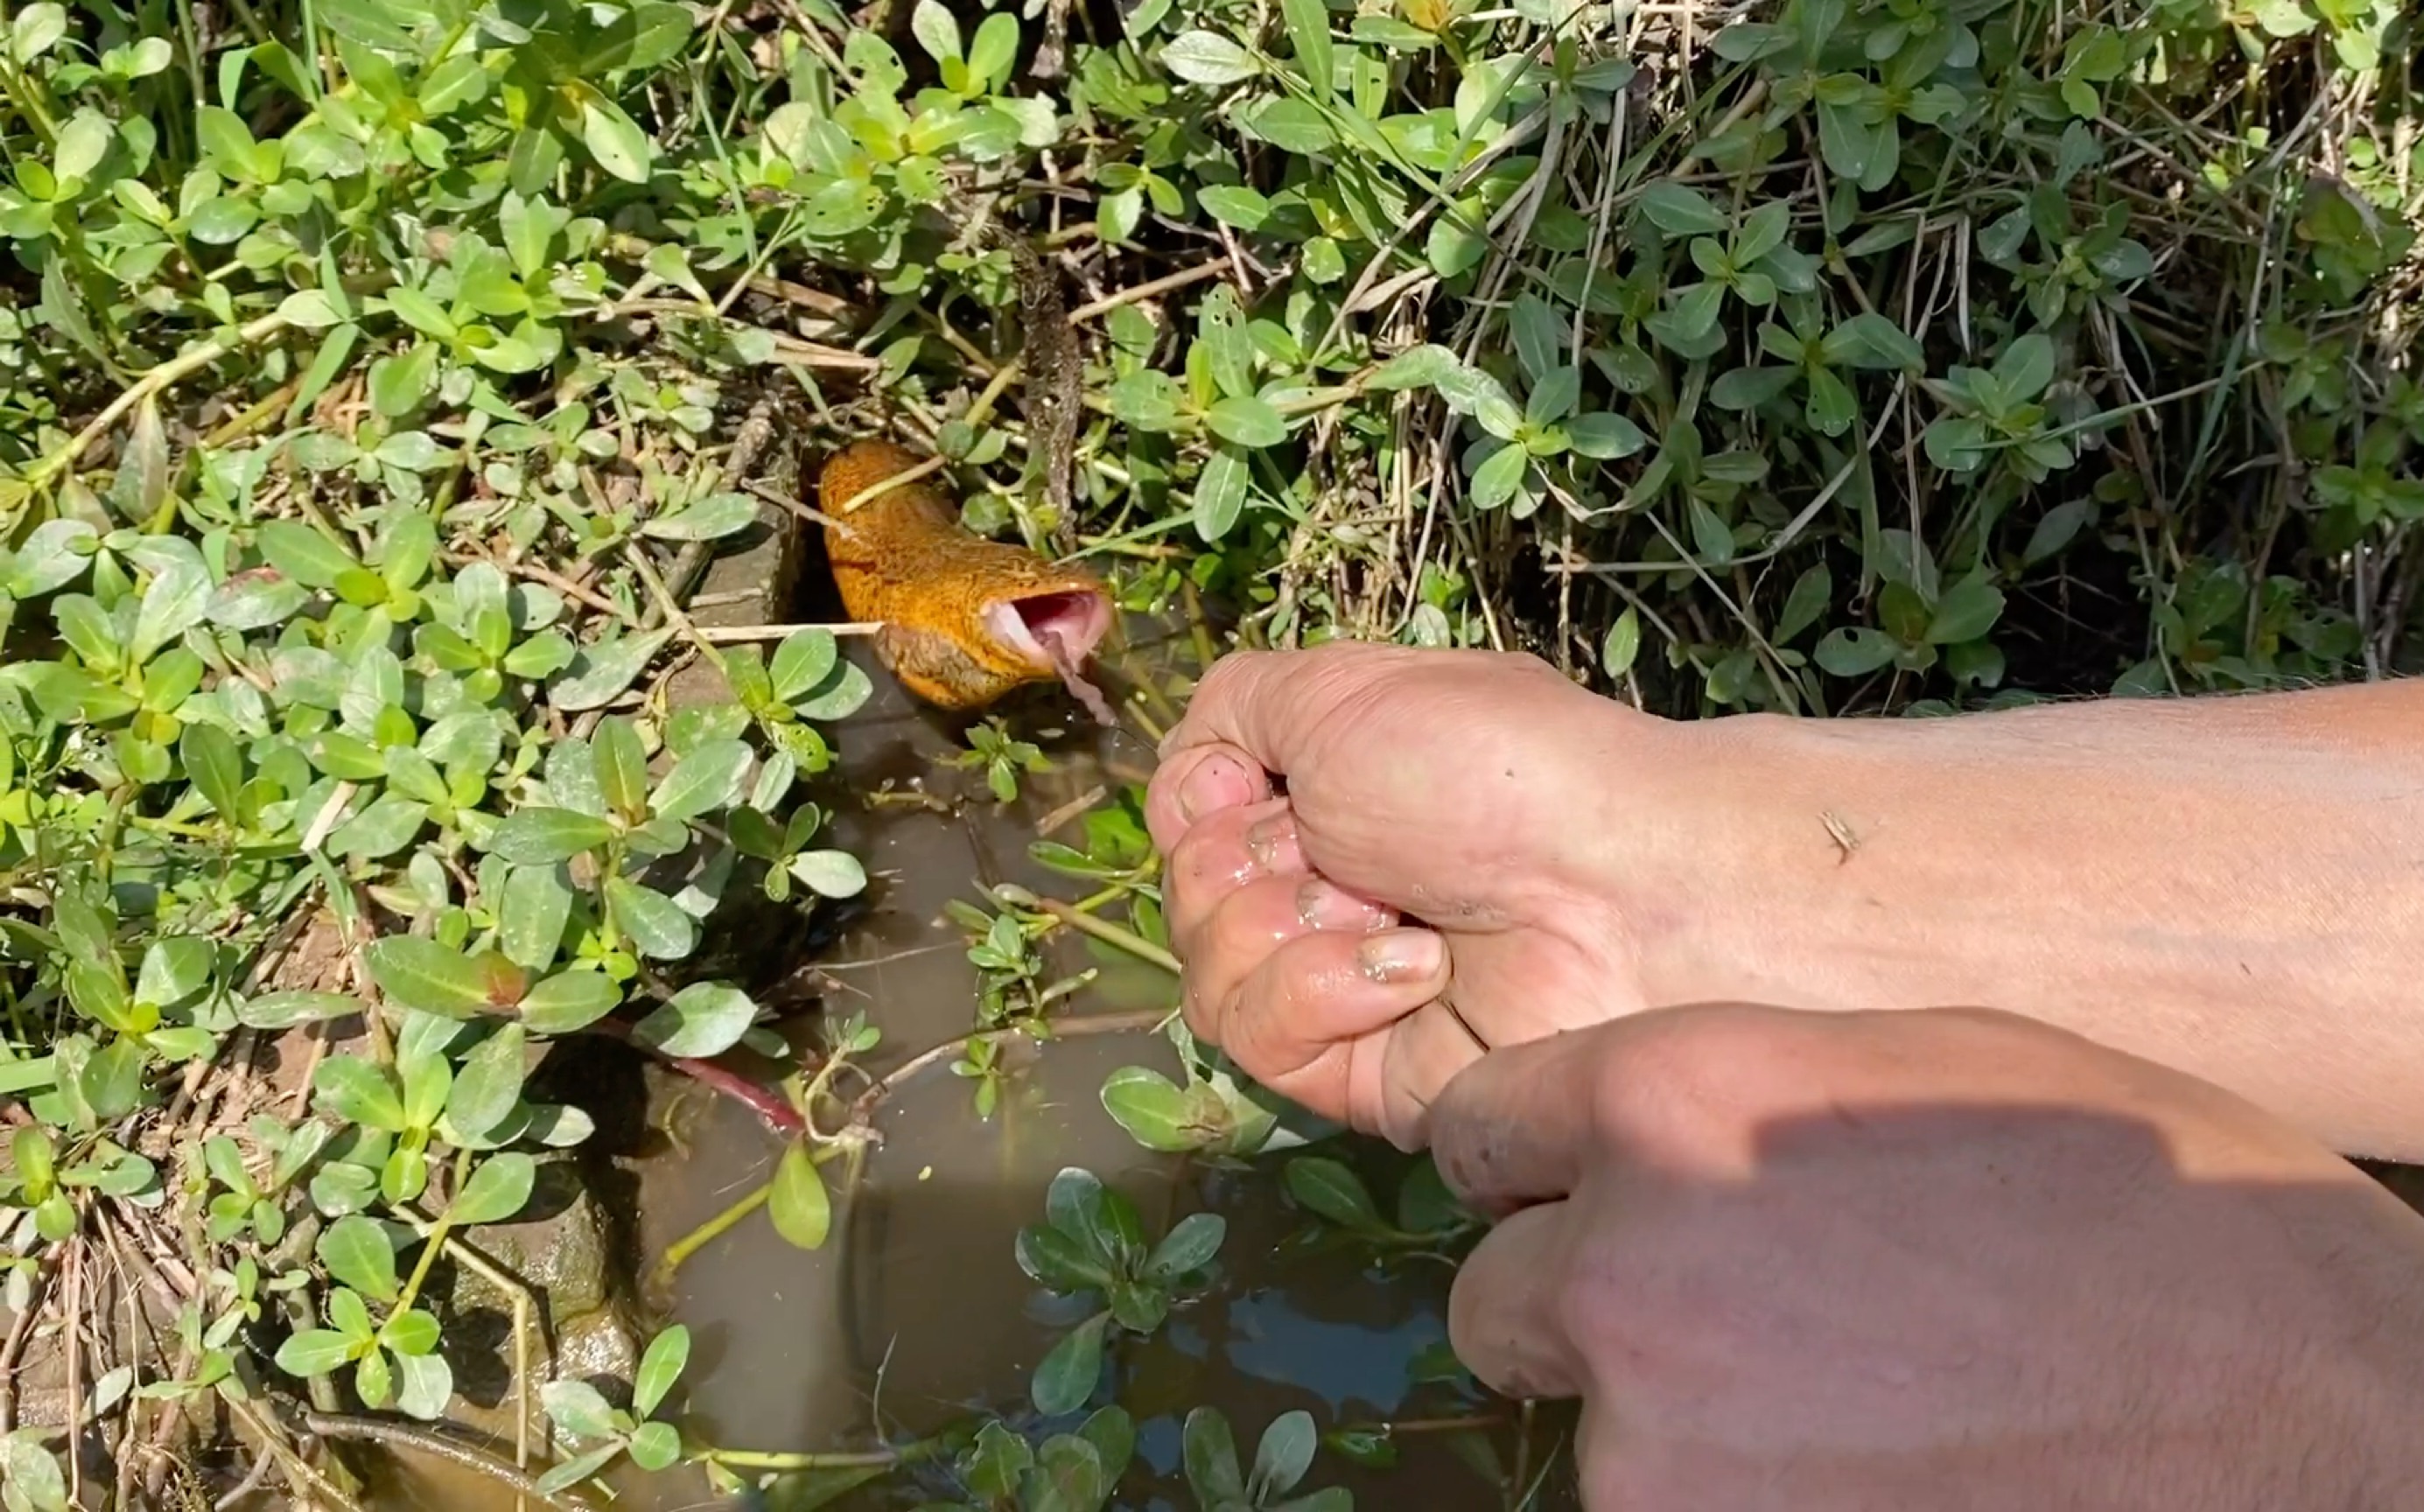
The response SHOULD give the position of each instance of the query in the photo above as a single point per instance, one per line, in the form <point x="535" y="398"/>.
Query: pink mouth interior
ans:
<point x="1061" y="630"/>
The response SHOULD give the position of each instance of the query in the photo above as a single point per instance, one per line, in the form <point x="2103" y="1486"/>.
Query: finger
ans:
<point x="1517" y="1124"/>
<point x="1295" y="1018"/>
<point x="1423" y="1054"/>
<point x="1223" y="948"/>
<point x="1265" y="702"/>
<point x="1228" y="851"/>
<point x="1677" y="1089"/>
<point x="1196" y="783"/>
<point x="1504" y="1317"/>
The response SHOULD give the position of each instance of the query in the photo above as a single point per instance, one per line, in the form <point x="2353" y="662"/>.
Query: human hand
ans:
<point x="1936" y="1259"/>
<point x="1483" y="796"/>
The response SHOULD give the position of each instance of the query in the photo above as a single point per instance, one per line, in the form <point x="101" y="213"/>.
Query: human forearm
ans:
<point x="2232" y="887"/>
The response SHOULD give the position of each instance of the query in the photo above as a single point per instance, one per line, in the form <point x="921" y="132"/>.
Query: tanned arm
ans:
<point x="2230" y="885"/>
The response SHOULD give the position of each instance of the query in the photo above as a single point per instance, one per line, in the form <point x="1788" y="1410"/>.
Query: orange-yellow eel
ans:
<point x="966" y="620"/>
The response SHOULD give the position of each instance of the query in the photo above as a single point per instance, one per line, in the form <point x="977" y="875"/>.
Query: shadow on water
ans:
<point x="914" y="1314"/>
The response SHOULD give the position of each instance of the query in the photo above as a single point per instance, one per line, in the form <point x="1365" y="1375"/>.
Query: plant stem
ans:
<point x="832" y="1460"/>
<point x="1079" y="1026"/>
<point x="771" y="1107"/>
<point x="708" y="1233"/>
<point x="1110" y="934"/>
<point x="433" y="1240"/>
<point x="154" y="379"/>
<point x="418" y="1440"/>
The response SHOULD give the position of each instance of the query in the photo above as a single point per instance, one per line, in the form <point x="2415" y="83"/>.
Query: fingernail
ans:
<point x="1401" y="955"/>
<point x="1273" y="844"/>
<point x="1326" y="906"/>
<point x="1216" y="783"/>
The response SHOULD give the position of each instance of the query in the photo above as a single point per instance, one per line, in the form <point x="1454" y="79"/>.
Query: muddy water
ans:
<point x="915" y="1314"/>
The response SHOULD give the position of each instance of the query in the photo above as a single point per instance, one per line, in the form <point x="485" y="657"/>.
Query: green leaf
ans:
<point x="1427" y="366"/>
<point x="303" y="553"/>
<point x="1855" y="650"/>
<point x="1190" y="1246"/>
<point x="656" y="1445"/>
<point x="1209" y="1452"/>
<point x="659" y="1367"/>
<point x="2026" y="367"/>
<point x="578" y="1408"/>
<point x="1604" y="435"/>
<point x="805" y="659"/>
<point x="425" y="1384"/>
<point x="616" y="140"/>
<point x="1712" y="539"/>
<point x="380" y="830"/>
<point x="1206" y="57"/>
<point x="1285" y="1454"/>
<point x="1552" y="399"/>
<point x="1539" y="336"/>
<point x="1158" y="1114"/>
<point x="178" y="594"/>
<point x="569" y="1001"/>
<point x="1247" y="421"/>
<point x="1308" y="26"/>
<point x="215" y="766"/>
<point x="1329" y="1189"/>
<point x="571" y="1472"/>
<point x="498" y="1189"/>
<point x="487" y="1084"/>
<point x="30" y="1149"/>
<point x="1457" y="242"/>
<point x="1623" y="644"/>
<point x="1869" y="340"/>
<point x="1749" y="387"/>
<point x="1068" y="1373"/>
<point x="657" y="927"/>
<point x="358" y="1252"/>
<point x="1812" y="593"/>
<point x="1495" y="481"/>
<point x="436" y="979"/>
<point x="31" y="1471"/>
<point x="1680" y="210"/>
<point x="599" y="674"/>
<point x="174" y="970"/>
<point x="622" y="769"/>
<point x="314" y="1352"/>
<point x="995" y="48"/>
<point x="705" y="1018"/>
<point x="545" y="836"/>
<point x="1233" y="205"/>
<point x="712" y="518"/>
<point x="797" y="1200"/>
<point x="1068" y="1477"/>
<point x="283" y="1011"/>
<point x="1968" y="610"/>
<point x="710" y="778"/>
<point x="829" y="873"/>
<point x="35" y="30"/>
<point x="357" y="1092"/>
<point x="535" y="905"/>
<point x="1219" y="493"/>
<point x="936" y="30"/>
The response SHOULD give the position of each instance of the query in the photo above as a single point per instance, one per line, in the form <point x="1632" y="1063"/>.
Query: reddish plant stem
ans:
<point x="768" y="1103"/>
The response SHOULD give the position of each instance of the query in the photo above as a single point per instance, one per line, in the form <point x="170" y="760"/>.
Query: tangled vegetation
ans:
<point x="378" y="377"/>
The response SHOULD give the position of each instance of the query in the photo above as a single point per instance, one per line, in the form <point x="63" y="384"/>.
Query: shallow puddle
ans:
<point x="914" y="1314"/>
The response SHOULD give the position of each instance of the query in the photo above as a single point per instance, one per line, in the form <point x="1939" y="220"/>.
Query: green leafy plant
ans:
<point x="577" y="1407"/>
<point x="1002" y="758"/>
<point x="1282" y="1459"/>
<point x="1092" y="1245"/>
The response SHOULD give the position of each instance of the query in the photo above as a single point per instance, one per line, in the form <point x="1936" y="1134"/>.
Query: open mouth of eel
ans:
<point x="1058" y="630"/>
